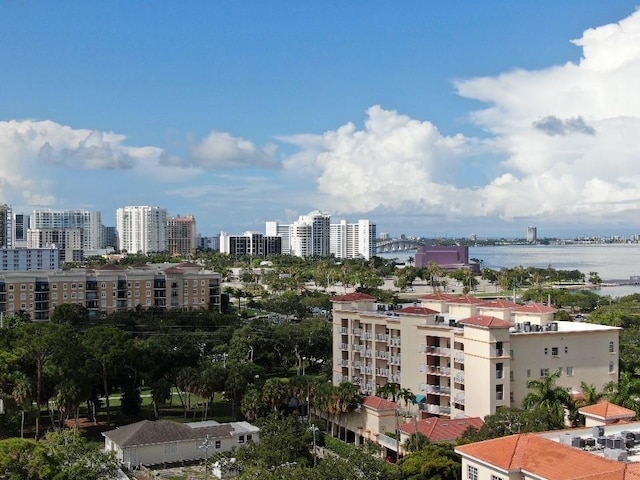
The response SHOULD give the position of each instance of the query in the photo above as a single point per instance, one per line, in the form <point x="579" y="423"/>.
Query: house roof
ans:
<point x="607" y="411"/>
<point x="500" y="303"/>
<point x="486" y="321"/>
<point x="417" y="311"/>
<point x="546" y="459"/>
<point x="466" y="299"/>
<point x="378" y="403"/>
<point x="442" y="429"/>
<point x="438" y="296"/>
<point x="535" y="308"/>
<point x="149" y="432"/>
<point x="354" y="297"/>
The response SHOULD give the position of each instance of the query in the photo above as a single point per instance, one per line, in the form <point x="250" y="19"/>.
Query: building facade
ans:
<point x="276" y="229"/>
<point x="532" y="234"/>
<point x="452" y="349"/>
<point x="27" y="259"/>
<point x="181" y="235"/>
<point x="142" y="229"/>
<point x="447" y="257"/>
<point x="250" y="244"/>
<point x="6" y="230"/>
<point x="68" y="242"/>
<point x="353" y="240"/>
<point x="21" y="225"/>
<point x="89" y="222"/>
<point x="110" y="289"/>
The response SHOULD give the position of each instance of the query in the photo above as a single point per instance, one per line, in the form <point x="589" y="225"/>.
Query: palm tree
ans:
<point x="274" y="393"/>
<point x="252" y="404"/>
<point x="389" y="391"/>
<point x="591" y="394"/>
<point x="625" y="392"/>
<point x="549" y="398"/>
<point x="346" y="398"/>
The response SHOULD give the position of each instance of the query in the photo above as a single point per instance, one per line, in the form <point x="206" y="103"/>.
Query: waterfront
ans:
<point x="612" y="262"/>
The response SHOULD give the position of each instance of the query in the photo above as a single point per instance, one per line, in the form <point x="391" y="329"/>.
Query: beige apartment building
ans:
<point x="110" y="288"/>
<point x="462" y="356"/>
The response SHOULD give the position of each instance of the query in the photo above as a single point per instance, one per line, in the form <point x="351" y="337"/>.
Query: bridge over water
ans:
<point x="397" y="245"/>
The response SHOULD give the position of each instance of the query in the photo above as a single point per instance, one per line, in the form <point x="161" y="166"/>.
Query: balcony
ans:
<point x="344" y="363"/>
<point x="345" y="346"/>
<point x="382" y="354"/>
<point x="367" y="335"/>
<point x="435" y="370"/>
<point x="459" y="398"/>
<point x="356" y="331"/>
<point x="394" y="378"/>
<point x="382" y="337"/>
<point x="459" y="378"/>
<point x="458" y="357"/>
<point x="436" y="389"/>
<point x="393" y="342"/>
<point x="356" y="363"/>
<point x="382" y="372"/>
<point x="344" y="330"/>
<point x="437" y="409"/>
<point x="354" y="347"/>
<point x="500" y="352"/>
<point x="499" y="374"/>
<point x="394" y="360"/>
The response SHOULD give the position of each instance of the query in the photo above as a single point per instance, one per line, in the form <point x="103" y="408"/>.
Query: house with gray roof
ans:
<point x="163" y="441"/>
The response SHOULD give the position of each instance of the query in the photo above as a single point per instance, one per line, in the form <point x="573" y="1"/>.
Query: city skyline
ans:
<point x="434" y="120"/>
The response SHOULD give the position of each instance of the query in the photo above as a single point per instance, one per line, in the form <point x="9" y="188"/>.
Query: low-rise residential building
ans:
<point x="110" y="288"/>
<point x="29" y="259"/>
<point x="465" y="357"/>
<point x="164" y="442"/>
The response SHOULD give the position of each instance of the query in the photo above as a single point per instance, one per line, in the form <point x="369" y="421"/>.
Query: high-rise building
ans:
<point x="68" y="241"/>
<point x="6" y="230"/>
<point x="353" y="240"/>
<point x="276" y="229"/>
<point x="310" y="235"/>
<point x="20" y="228"/>
<point x="89" y="222"/>
<point x="250" y="244"/>
<point x="109" y="237"/>
<point x="142" y="229"/>
<point x="532" y="234"/>
<point x="181" y="235"/>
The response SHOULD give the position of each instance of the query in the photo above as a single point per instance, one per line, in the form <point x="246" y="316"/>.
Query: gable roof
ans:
<point x="149" y="432"/>
<point x="607" y="411"/>
<point x="417" y="310"/>
<point x="438" y="429"/>
<point x="535" y="308"/>
<point x="439" y="296"/>
<point x="486" y="321"/>
<point x="466" y="300"/>
<point x="545" y="458"/>
<point x="378" y="403"/>
<point x="354" y="297"/>
<point x="500" y="303"/>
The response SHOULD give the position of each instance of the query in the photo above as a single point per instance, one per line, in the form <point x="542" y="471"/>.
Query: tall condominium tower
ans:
<point x="142" y="229"/>
<point x="89" y="222"/>
<point x="532" y="234"/>
<point x="310" y="235"/>
<point x="353" y="240"/>
<point x="181" y="235"/>
<point x="6" y="233"/>
<point x="20" y="228"/>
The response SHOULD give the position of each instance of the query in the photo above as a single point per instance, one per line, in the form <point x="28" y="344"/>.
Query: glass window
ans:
<point x="611" y="347"/>
<point x="612" y="367"/>
<point x="554" y="351"/>
<point x="569" y="371"/>
<point x="546" y="351"/>
<point x="544" y="372"/>
<point x="472" y="473"/>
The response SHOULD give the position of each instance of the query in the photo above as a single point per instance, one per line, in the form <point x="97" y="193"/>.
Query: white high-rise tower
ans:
<point x="142" y="229"/>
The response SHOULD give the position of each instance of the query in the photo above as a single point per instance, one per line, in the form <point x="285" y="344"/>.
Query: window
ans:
<point x="472" y="472"/>
<point x="218" y="444"/>
<point x="499" y="392"/>
<point x="249" y="437"/>
<point x="23" y="287"/>
<point x="566" y="349"/>
<point x="544" y="372"/>
<point x="554" y="352"/>
<point x="569" y="371"/>
<point x="495" y="477"/>
<point x="528" y="373"/>
<point x="611" y="347"/>
<point x="612" y="367"/>
<point x="511" y="375"/>
<point x="240" y="438"/>
<point x="499" y="370"/>
<point x="546" y="351"/>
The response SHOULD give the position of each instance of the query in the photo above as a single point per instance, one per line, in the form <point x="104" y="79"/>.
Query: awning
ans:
<point x="420" y="398"/>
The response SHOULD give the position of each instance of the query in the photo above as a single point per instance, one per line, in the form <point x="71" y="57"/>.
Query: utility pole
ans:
<point x="205" y="446"/>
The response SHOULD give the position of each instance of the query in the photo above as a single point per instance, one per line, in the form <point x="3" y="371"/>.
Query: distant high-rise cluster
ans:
<point x="532" y="234"/>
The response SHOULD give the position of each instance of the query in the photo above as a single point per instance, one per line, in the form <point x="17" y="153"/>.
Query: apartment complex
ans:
<point x="142" y="229"/>
<point x="68" y="241"/>
<point x="89" y="222"/>
<point x="353" y="240"/>
<point x="110" y="288"/>
<point x="6" y="234"/>
<point x="315" y="235"/>
<point x="462" y="356"/>
<point x="251" y="244"/>
<point x="27" y="259"/>
<point x="181" y="235"/>
<point x="603" y="452"/>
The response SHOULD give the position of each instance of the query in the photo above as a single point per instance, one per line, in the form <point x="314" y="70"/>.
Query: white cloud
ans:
<point x="222" y="150"/>
<point x="562" y="145"/>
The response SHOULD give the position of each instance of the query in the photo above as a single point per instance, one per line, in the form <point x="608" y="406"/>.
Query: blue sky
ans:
<point x="430" y="118"/>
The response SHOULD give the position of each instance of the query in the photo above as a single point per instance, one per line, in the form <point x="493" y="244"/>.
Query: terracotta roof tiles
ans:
<point x="486" y="321"/>
<point x="354" y="297"/>
<point x="417" y="311"/>
<point x="378" y="403"/>
<point x="607" y="410"/>
<point x="442" y="429"/>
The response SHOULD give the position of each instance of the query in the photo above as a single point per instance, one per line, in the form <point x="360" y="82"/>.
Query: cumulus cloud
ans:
<point x="223" y="150"/>
<point x="561" y="143"/>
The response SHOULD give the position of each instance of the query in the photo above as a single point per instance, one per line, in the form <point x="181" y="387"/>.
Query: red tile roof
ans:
<point x="500" y="303"/>
<point x="439" y="296"/>
<point x="466" y="299"/>
<point x="417" y="311"/>
<point x="442" y="429"/>
<point x="354" y="297"/>
<point x="535" y="308"/>
<point x="378" y="403"/>
<point x="486" y="321"/>
<point x="607" y="410"/>
<point x="545" y="458"/>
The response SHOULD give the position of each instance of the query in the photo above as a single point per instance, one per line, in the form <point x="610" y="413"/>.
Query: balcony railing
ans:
<point x="459" y="378"/>
<point x="458" y="357"/>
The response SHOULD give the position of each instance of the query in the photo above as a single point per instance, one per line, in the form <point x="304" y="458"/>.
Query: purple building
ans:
<point x="449" y="258"/>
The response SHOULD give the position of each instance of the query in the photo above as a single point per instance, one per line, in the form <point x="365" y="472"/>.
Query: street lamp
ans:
<point x="314" y="429"/>
<point x="205" y="446"/>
